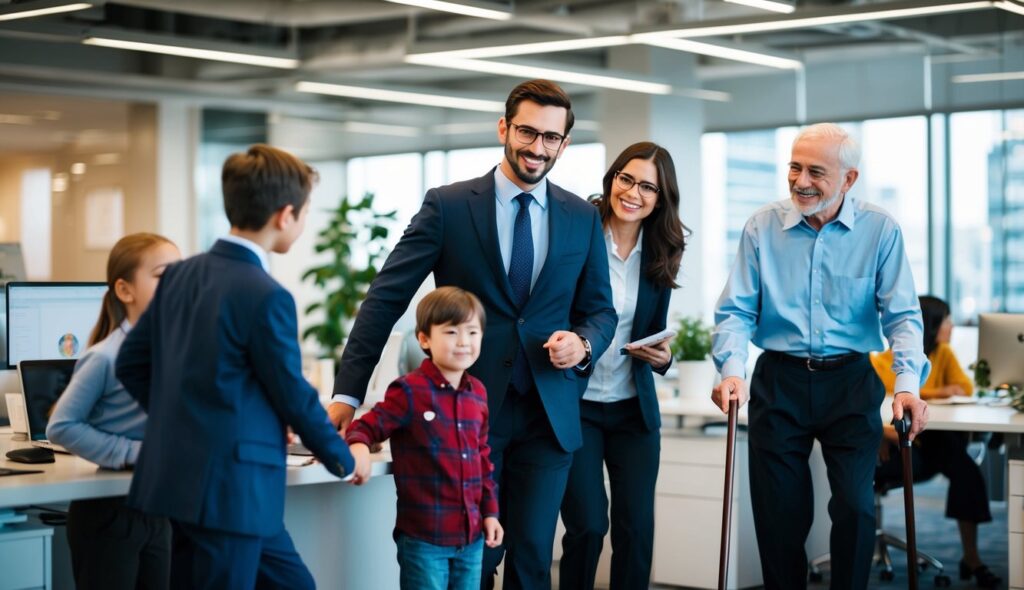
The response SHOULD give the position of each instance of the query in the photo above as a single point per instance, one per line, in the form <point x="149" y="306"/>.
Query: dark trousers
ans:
<point x="790" y="406"/>
<point x="946" y="453"/>
<point x="614" y="435"/>
<point x="115" y="547"/>
<point x="217" y="560"/>
<point x="531" y="469"/>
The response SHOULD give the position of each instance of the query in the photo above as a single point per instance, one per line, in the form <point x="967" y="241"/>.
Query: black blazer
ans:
<point x="650" y="317"/>
<point x="454" y="235"/>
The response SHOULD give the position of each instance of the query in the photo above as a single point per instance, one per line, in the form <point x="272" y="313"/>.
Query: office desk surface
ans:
<point x="73" y="478"/>
<point x="960" y="417"/>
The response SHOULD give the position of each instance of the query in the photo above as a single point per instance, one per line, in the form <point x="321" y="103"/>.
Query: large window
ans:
<point x="979" y="268"/>
<point x="987" y="212"/>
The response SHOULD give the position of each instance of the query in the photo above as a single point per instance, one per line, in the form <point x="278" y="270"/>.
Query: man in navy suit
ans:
<point x="215" y="362"/>
<point x="535" y="256"/>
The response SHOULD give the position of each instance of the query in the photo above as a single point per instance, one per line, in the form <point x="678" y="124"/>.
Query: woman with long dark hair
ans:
<point x="619" y="411"/>
<point x="942" y="451"/>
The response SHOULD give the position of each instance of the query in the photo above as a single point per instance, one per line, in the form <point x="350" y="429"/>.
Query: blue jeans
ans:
<point x="426" y="566"/>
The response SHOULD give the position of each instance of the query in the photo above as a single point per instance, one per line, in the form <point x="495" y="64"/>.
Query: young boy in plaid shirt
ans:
<point x="436" y="417"/>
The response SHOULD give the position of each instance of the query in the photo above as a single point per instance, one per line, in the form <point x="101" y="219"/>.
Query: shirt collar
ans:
<point x="847" y="212"/>
<point x="505" y="190"/>
<point x="430" y="370"/>
<point x="256" y="249"/>
<point x="609" y="240"/>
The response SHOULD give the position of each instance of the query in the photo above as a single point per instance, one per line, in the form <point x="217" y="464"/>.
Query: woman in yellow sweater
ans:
<point x="942" y="451"/>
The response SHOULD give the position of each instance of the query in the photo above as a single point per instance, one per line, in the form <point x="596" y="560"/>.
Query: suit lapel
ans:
<point x="483" y="210"/>
<point x="559" y="230"/>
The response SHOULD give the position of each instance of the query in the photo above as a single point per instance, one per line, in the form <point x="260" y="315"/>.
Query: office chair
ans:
<point x="883" y="541"/>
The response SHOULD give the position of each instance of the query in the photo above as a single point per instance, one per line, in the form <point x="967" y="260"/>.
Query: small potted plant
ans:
<point x="691" y="349"/>
<point x="346" y="276"/>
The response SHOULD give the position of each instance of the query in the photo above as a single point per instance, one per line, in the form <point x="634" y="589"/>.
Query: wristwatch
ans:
<point x="586" y="348"/>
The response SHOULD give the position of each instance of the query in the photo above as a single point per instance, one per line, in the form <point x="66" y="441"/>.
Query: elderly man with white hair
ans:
<point x="816" y="277"/>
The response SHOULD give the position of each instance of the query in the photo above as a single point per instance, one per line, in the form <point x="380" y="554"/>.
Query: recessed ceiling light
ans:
<point x="530" y="71"/>
<point x="195" y="52"/>
<point x="33" y="9"/>
<point x="993" y="77"/>
<point x="400" y="96"/>
<point x="766" y="5"/>
<point x="78" y="168"/>
<point x="464" y="8"/>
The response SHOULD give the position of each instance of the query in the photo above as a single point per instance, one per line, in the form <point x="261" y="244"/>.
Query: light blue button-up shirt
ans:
<point x="812" y="293"/>
<point x="507" y="207"/>
<point x="252" y="247"/>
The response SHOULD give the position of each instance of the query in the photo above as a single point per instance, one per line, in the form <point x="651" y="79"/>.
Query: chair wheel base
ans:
<point x="886" y="576"/>
<point x="942" y="581"/>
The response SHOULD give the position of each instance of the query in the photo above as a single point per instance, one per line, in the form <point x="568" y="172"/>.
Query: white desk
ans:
<point x="342" y="532"/>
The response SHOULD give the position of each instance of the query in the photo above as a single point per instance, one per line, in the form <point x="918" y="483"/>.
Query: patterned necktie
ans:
<point x="520" y="274"/>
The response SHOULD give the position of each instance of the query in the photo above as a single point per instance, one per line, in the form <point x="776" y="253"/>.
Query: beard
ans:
<point x="814" y="209"/>
<point x="527" y="177"/>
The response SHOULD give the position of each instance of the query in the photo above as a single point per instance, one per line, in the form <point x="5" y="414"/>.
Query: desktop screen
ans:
<point x="50" y="320"/>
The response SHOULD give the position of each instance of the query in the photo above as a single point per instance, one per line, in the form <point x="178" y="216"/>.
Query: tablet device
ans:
<point x="652" y="339"/>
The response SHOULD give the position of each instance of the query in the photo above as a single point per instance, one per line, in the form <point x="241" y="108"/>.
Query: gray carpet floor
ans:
<point x="938" y="536"/>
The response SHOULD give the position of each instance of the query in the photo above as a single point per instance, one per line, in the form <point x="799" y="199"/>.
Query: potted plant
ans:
<point x="346" y="276"/>
<point x="691" y="349"/>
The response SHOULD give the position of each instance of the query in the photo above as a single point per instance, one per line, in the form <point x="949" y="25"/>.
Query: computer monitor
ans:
<point x="48" y="321"/>
<point x="1001" y="345"/>
<point x="43" y="382"/>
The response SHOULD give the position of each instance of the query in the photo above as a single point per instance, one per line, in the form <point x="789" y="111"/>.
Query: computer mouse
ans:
<point x="31" y="455"/>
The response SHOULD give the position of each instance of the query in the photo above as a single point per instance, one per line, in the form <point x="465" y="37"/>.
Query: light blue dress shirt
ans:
<point x="507" y="207"/>
<point x="95" y="418"/>
<point x="815" y="293"/>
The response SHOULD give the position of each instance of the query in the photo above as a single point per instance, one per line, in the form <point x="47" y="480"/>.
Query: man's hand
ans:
<point x="493" y="533"/>
<point x="731" y="388"/>
<point x="361" y="453"/>
<point x="565" y="349"/>
<point x="918" y="408"/>
<point x="340" y="414"/>
<point x="657" y="355"/>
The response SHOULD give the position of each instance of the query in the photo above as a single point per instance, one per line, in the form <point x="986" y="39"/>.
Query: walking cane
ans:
<point x="730" y="451"/>
<point x="903" y="430"/>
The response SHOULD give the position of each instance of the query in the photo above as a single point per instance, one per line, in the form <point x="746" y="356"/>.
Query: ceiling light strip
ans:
<point x="734" y="54"/>
<point x="17" y="11"/>
<point x="458" y="8"/>
<point x="1010" y="7"/>
<point x="195" y="52"/>
<point x="530" y="48"/>
<point x="528" y="71"/>
<point x="993" y="77"/>
<point x="766" y="5"/>
<point x="416" y="98"/>
<point x="797" y="21"/>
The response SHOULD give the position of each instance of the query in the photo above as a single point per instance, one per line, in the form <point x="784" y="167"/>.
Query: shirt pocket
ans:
<point x="850" y="299"/>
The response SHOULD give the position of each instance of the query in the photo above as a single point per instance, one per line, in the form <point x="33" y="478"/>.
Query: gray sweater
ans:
<point x="95" y="417"/>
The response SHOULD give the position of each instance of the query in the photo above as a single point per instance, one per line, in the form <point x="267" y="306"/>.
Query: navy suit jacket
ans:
<point x="215" y="363"/>
<point x="651" y="312"/>
<point x="454" y="235"/>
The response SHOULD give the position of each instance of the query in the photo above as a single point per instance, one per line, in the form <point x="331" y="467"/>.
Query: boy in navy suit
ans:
<point x="215" y="362"/>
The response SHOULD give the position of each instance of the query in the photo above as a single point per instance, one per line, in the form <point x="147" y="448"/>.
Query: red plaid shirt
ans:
<point x="441" y="460"/>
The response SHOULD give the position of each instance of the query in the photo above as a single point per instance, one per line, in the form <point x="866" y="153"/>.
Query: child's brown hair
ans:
<point x="448" y="305"/>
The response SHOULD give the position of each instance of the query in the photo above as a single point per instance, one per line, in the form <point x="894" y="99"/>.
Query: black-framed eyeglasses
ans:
<point x="528" y="135"/>
<point x="626" y="182"/>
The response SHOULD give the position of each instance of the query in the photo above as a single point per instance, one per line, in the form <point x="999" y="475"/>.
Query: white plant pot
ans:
<point x="696" y="378"/>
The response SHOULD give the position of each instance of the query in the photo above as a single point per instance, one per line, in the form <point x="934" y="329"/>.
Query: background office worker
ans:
<point x="534" y="254"/>
<point x="813" y="274"/>
<point x="619" y="412"/>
